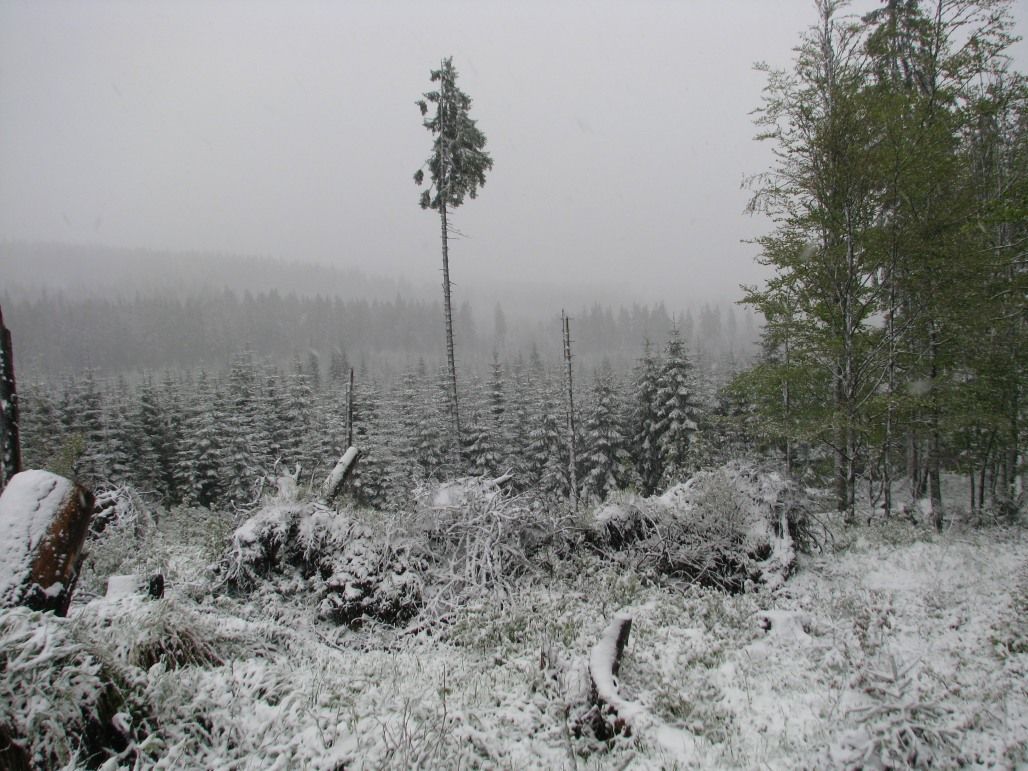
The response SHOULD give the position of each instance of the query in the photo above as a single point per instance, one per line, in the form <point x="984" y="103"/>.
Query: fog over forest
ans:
<point x="546" y="385"/>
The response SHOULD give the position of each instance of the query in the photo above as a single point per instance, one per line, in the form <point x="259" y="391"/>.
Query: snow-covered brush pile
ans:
<point x="481" y="539"/>
<point x="306" y="549"/>
<point x="721" y="528"/>
<point x="62" y="703"/>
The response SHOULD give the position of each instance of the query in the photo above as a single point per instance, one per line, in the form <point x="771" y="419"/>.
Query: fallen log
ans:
<point x="334" y="482"/>
<point x="44" y="521"/>
<point x="613" y="713"/>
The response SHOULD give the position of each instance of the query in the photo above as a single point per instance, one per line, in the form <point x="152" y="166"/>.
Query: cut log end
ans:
<point x="44" y="521"/>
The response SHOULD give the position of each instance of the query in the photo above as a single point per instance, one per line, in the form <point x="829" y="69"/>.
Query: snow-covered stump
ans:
<point x="44" y="521"/>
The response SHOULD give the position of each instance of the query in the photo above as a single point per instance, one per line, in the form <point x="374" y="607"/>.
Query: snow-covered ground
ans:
<point x="899" y="646"/>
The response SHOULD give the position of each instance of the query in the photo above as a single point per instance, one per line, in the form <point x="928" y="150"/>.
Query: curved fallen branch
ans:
<point x="611" y="714"/>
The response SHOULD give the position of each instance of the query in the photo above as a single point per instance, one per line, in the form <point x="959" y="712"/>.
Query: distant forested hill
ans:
<point x="27" y="270"/>
<point x="121" y="311"/>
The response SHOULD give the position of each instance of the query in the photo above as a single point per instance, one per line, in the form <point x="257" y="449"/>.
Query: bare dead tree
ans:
<point x="572" y="458"/>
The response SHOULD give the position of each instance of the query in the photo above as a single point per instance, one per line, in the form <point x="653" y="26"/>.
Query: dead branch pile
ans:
<point x="724" y="528"/>
<point x="307" y="549"/>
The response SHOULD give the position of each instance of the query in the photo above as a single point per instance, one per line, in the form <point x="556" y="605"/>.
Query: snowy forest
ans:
<point x="259" y="514"/>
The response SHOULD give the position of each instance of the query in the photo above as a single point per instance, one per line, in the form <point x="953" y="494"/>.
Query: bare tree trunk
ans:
<point x="787" y="405"/>
<point x="10" y="439"/>
<point x="971" y="479"/>
<point x="451" y="363"/>
<point x="890" y="411"/>
<point x="935" y="438"/>
<point x="572" y="459"/>
<point x="841" y="443"/>
<point x="349" y="412"/>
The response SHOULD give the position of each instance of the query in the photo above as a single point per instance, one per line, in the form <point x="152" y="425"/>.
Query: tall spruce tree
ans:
<point x="456" y="168"/>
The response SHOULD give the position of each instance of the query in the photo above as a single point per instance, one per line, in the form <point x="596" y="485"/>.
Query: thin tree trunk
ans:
<point x="451" y="363"/>
<point x="970" y="475"/>
<point x="842" y="442"/>
<point x="10" y="439"/>
<point x="572" y="460"/>
<point x="981" y="484"/>
<point x="349" y="412"/>
<point x="891" y="406"/>
<point x="935" y="439"/>
<point x="787" y="404"/>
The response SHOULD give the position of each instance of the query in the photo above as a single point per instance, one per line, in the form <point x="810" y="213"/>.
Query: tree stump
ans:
<point x="44" y="521"/>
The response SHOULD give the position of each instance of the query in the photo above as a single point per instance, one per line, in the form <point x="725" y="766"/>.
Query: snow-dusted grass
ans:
<point x="901" y="647"/>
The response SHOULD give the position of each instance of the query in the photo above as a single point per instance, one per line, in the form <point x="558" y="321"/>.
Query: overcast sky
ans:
<point x="619" y="131"/>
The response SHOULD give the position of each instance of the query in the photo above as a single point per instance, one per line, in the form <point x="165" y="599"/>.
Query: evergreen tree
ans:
<point x="154" y="473"/>
<point x="83" y="415"/>
<point x="675" y="410"/>
<point x="606" y="459"/>
<point x="42" y="431"/>
<point x="481" y="448"/>
<point x="247" y="444"/>
<point x="174" y="410"/>
<point x="339" y="368"/>
<point x="546" y="453"/>
<point x="516" y="428"/>
<point x="370" y="478"/>
<point x="200" y="455"/>
<point x="298" y="416"/>
<point x="645" y="429"/>
<point x="456" y="168"/>
<point x="124" y="435"/>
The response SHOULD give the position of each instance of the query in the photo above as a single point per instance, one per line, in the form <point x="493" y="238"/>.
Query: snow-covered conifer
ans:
<point x="606" y="460"/>
<point x="676" y="410"/>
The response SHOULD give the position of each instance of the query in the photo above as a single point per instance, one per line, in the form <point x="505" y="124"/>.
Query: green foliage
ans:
<point x="459" y="161"/>
<point x="899" y="139"/>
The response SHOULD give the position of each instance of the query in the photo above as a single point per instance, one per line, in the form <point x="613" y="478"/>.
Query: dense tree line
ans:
<point x="211" y="440"/>
<point x="56" y="334"/>
<point x="896" y="316"/>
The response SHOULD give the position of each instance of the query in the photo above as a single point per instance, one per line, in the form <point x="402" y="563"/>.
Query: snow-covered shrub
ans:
<point x="131" y="538"/>
<point x="62" y="704"/>
<point x="899" y="726"/>
<point x="721" y="528"/>
<point x="1010" y="635"/>
<point x="351" y="571"/>
<point x="142" y="632"/>
<point x="625" y="518"/>
<point x="121" y="539"/>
